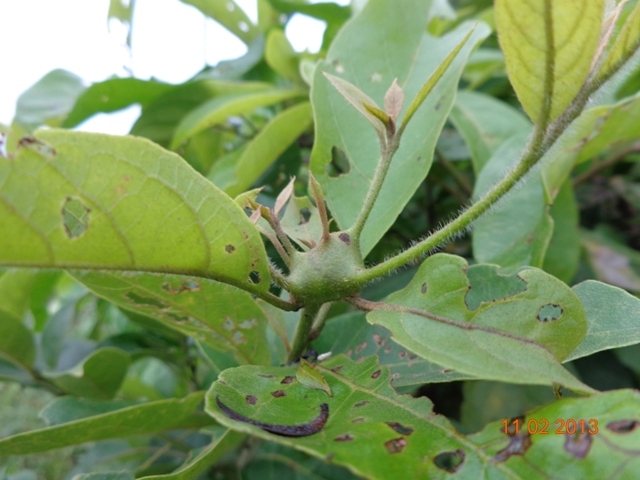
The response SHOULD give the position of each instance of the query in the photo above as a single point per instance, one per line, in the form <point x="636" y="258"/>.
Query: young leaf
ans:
<point x="393" y="100"/>
<point x="357" y="56"/>
<point x="401" y="434"/>
<point x="490" y="321"/>
<point x="219" y="315"/>
<point x="625" y="44"/>
<point x="310" y="377"/>
<point x="435" y="77"/>
<point x="548" y="46"/>
<point x="137" y="420"/>
<point x="612" y="314"/>
<point x="103" y="200"/>
<point x="360" y="101"/>
<point x="283" y="197"/>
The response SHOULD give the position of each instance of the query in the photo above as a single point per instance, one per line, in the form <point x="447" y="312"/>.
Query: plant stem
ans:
<point x="303" y="332"/>
<point x="320" y="320"/>
<point x="376" y="185"/>
<point x="607" y="162"/>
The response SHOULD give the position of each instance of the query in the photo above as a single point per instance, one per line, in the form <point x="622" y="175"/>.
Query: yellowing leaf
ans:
<point x="626" y="43"/>
<point x="308" y="376"/>
<point x="548" y="46"/>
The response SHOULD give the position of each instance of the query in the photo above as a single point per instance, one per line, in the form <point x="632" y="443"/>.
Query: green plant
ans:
<point x="186" y="303"/>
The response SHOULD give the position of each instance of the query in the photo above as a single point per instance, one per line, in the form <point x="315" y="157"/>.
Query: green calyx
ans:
<point x="328" y="272"/>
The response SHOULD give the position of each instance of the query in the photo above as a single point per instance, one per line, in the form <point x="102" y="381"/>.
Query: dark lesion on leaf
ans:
<point x="401" y="429"/>
<point x="362" y="403"/>
<point x="301" y="430"/>
<point x="343" y="438"/>
<point x="279" y="394"/>
<point x="251" y="399"/>
<point x="578" y="444"/>
<point x="623" y="426"/>
<point x="423" y="288"/>
<point x="395" y="445"/>
<point x="229" y="248"/>
<point x="288" y="379"/>
<point x="376" y="374"/>
<point x="450" y="461"/>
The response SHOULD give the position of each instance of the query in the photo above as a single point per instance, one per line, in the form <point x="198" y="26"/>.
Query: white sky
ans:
<point x="171" y="41"/>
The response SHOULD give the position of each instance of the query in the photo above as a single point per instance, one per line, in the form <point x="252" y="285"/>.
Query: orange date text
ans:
<point x="542" y="426"/>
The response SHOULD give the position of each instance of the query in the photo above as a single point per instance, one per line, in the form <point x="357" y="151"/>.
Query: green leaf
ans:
<point x="548" y="47"/>
<point x="563" y="255"/>
<point x="301" y="222"/>
<point x="113" y="95"/>
<point x="609" y="453"/>
<point x="218" y="109"/>
<point x="16" y="342"/>
<point x="381" y="43"/>
<point x="625" y="44"/>
<point x="122" y="10"/>
<point x="219" y="315"/>
<point x="69" y="409"/>
<point x="15" y="289"/>
<point x="209" y="455"/>
<point x="98" y="376"/>
<point x="280" y="55"/>
<point x="400" y="434"/>
<point x="485" y="123"/>
<point x="141" y="419"/>
<point x="365" y="340"/>
<point x="496" y="327"/>
<point x="104" y="476"/>
<point x="518" y="233"/>
<point x="264" y="149"/>
<point x="49" y="100"/>
<point x="159" y="119"/>
<point x="229" y="15"/>
<point x="612" y="315"/>
<point x="275" y="462"/>
<point x="140" y="195"/>
<point x="310" y="377"/>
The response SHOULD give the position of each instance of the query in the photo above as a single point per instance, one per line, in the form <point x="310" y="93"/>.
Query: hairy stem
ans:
<point x="376" y="185"/>
<point x="303" y="332"/>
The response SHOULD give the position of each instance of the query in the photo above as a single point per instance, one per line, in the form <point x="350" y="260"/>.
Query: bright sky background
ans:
<point x="171" y="41"/>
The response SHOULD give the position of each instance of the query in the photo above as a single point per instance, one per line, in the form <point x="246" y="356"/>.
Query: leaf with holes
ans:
<point x="510" y="328"/>
<point x="365" y="340"/>
<point x="122" y="203"/>
<point x="548" y="47"/>
<point x="402" y="436"/>
<point x="590" y="438"/>
<point x="381" y="43"/>
<point x="219" y="315"/>
<point x="140" y="419"/>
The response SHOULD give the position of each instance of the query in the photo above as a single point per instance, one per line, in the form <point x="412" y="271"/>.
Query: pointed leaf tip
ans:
<point x="394" y="100"/>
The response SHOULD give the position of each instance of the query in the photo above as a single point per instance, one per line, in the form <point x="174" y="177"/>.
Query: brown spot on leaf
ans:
<point x="376" y="374"/>
<point x="345" y="238"/>
<point x="395" y="445"/>
<point x="518" y="444"/>
<point x="378" y="340"/>
<point x="449" y="461"/>
<point x="401" y="429"/>
<point x="343" y="438"/>
<point x="623" y="426"/>
<point x="266" y="376"/>
<point x="362" y="403"/>
<point x="251" y="400"/>
<point x="337" y="369"/>
<point x="279" y="393"/>
<point x="288" y="379"/>
<point x="357" y="420"/>
<point x="229" y="248"/>
<point x="578" y="444"/>
<point x="423" y="289"/>
<point x="361" y="347"/>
